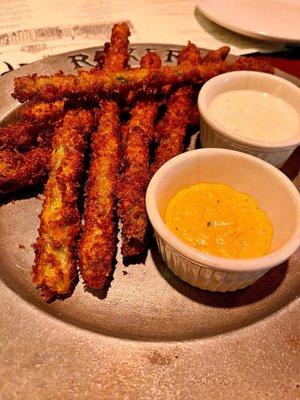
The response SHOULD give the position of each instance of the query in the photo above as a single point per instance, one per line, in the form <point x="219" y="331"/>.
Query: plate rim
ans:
<point x="204" y="8"/>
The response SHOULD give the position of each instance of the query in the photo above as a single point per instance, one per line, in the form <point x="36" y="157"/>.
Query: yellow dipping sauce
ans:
<point x="219" y="220"/>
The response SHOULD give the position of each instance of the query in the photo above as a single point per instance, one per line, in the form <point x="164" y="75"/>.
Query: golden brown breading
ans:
<point x="151" y="60"/>
<point x="172" y="128"/>
<point x="20" y="136"/>
<point x="189" y="55"/>
<point x="98" y="242"/>
<point x="115" y="55"/>
<point x="88" y="83"/>
<point x="251" y="64"/>
<point x="54" y="271"/>
<point x="19" y="170"/>
<point x="180" y="113"/>
<point x="43" y="112"/>
<point x="216" y="55"/>
<point x="137" y="134"/>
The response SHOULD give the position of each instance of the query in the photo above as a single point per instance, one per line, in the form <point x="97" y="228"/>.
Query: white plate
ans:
<point x="274" y="20"/>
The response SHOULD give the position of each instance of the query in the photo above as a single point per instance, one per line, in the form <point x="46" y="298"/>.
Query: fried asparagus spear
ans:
<point x="43" y="112"/>
<point x="137" y="134"/>
<point x="24" y="158"/>
<point x="216" y="55"/>
<point x="172" y="128"/>
<point x="20" y="170"/>
<point x="98" y="242"/>
<point x="97" y="245"/>
<point x="19" y="136"/>
<point x="54" y="272"/>
<point x="116" y="55"/>
<point x="89" y="83"/>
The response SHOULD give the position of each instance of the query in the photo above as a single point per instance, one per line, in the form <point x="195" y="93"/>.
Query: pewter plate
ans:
<point x="150" y="335"/>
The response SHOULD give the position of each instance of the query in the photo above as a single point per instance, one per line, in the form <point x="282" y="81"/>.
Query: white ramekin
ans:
<point x="215" y="135"/>
<point x="275" y="193"/>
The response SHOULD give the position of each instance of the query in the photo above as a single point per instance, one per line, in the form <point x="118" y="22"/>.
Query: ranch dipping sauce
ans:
<point x="255" y="115"/>
<point x="219" y="220"/>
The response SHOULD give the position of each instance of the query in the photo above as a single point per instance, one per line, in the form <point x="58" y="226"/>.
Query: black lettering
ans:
<point x="80" y="60"/>
<point x="171" y="54"/>
<point x="130" y="51"/>
<point x="10" y="68"/>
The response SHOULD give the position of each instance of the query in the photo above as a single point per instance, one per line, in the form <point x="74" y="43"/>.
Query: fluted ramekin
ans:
<point x="275" y="193"/>
<point x="213" y="134"/>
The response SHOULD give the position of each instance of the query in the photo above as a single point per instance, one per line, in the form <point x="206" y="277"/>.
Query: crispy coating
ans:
<point x="180" y="113"/>
<point x="20" y="170"/>
<point x="251" y="64"/>
<point x="88" y="83"/>
<point x="20" y="136"/>
<point x="97" y="244"/>
<point x="151" y="60"/>
<point x="115" y="55"/>
<point x="137" y="134"/>
<point x="172" y="128"/>
<point x="189" y="55"/>
<point x="43" y="112"/>
<point x="54" y="272"/>
<point x="216" y="55"/>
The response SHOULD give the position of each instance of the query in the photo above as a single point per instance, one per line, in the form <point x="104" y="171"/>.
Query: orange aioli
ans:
<point x="218" y="220"/>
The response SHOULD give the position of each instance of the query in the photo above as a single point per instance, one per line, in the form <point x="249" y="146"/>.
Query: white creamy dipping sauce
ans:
<point x="255" y="115"/>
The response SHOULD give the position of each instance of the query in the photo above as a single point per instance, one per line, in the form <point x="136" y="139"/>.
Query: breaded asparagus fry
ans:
<point x="19" y="170"/>
<point x="115" y="55"/>
<point x="189" y="55"/>
<point x="151" y="60"/>
<point x="137" y="134"/>
<point x="216" y="55"/>
<point x="42" y="112"/>
<point x="20" y="136"/>
<point x="251" y="64"/>
<point x="172" y="128"/>
<point x="54" y="271"/>
<point x="98" y="242"/>
<point x="88" y="83"/>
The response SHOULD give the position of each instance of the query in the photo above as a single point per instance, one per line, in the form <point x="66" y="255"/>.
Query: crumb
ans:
<point x="125" y="272"/>
<point x="21" y="246"/>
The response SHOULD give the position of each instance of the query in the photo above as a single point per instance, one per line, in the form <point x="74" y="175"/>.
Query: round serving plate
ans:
<point x="268" y="20"/>
<point x="157" y="327"/>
